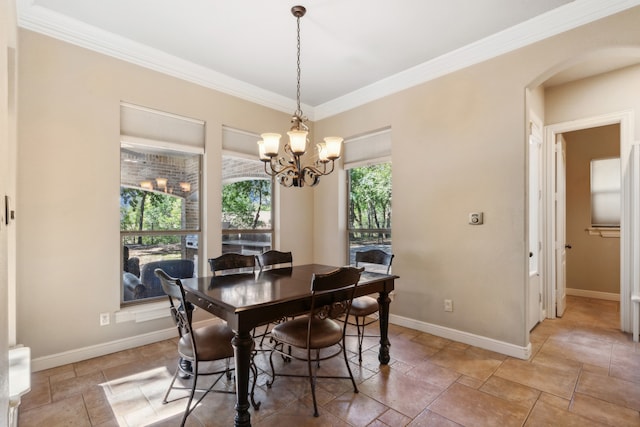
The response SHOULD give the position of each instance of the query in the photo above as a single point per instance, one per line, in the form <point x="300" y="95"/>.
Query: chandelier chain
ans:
<point x="299" y="110"/>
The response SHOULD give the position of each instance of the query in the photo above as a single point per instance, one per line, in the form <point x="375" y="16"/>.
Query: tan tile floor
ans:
<point x="583" y="372"/>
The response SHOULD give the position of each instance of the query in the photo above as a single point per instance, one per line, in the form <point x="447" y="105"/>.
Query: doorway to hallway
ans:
<point x="592" y="243"/>
<point x="554" y="289"/>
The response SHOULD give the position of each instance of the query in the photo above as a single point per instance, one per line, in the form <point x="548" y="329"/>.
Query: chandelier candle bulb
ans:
<point x="162" y="183"/>
<point x="322" y="152"/>
<point x="261" y="152"/>
<point x="147" y="185"/>
<point x="298" y="141"/>
<point x="333" y="145"/>
<point x="271" y="144"/>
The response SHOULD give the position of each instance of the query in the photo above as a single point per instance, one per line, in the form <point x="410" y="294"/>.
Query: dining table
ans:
<point x="248" y="300"/>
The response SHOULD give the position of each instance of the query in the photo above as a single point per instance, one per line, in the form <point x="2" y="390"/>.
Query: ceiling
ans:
<point x="353" y="51"/>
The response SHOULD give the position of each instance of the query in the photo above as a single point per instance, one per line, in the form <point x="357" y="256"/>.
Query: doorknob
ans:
<point x="567" y="246"/>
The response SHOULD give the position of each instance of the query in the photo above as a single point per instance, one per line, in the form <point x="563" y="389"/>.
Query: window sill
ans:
<point x="604" y="231"/>
<point x="143" y="312"/>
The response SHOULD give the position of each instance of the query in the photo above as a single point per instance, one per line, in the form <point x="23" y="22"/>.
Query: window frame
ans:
<point x="143" y="144"/>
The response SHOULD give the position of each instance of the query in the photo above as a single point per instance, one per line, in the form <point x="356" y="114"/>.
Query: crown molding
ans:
<point x="44" y="21"/>
<point x="579" y="12"/>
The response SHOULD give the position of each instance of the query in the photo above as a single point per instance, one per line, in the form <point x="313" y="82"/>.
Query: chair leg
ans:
<point x="360" y="330"/>
<point x="254" y="370"/>
<point x="194" y="383"/>
<point x="173" y="380"/>
<point x="266" y="331"/>
<point x="346" y="361"/>
<point x="194" y="387"/>
<point x="228" y="367"/>
<point x="273" y="369"/>
<point x="312" y="380"/>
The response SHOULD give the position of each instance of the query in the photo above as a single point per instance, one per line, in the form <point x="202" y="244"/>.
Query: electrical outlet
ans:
<point x="104" y="319"/>
<point x="448" y="305"/>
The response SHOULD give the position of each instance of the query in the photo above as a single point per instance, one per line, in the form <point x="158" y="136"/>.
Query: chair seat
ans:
<point x="326" y="332"/>
<point x="364" y="306"/>
<point x="213" y="343"/>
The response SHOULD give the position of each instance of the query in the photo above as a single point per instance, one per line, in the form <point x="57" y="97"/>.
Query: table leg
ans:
<point x="242" y="346"/>
<point x="383" y="320"/>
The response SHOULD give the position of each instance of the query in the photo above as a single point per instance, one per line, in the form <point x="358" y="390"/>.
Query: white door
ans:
<point x="561" y="220"/>
<point x="534" y="292"/>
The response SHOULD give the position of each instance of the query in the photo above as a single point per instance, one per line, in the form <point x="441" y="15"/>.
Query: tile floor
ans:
<point x="583" y="372"/>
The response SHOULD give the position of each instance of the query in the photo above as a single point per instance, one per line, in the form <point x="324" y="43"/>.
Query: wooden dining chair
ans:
<point x="232" y="261"/>
<point x="210" y="343"/>
<point x="331" y="297"/>
<point x="365" y="307"/>
<point x="274" y="258"/>
<point x="235" y="263"/>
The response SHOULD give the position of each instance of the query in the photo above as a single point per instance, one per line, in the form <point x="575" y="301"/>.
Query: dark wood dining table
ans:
<point x="247" y="300"/>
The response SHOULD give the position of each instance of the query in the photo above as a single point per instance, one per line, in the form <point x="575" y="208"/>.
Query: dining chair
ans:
<point x="232" y="261"/>
<point x="365" y="306"/>
<point x="235" y="263"/>
<point x="209" y="343"/>
<point x="271" y="259"/>
<point x="331" y="297"/>
<point x="274" y="258"/>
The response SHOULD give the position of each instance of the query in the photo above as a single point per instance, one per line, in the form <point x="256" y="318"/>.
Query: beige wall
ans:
<point x="593" y="262"/>
<point x="68" y="246"/>
<point x="607" y="93"/>
<point x="458" y="147"/>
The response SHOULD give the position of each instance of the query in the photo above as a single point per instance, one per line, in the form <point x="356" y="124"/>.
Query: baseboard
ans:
<point x="80" y="354"/>
<point x="84" y="353"/>
<point x="593" y="294"/>
<point x="464" y="337"/>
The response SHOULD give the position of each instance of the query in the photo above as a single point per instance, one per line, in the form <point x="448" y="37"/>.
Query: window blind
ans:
<point x="371" y="148"/>
<point x="240" y="143"/>
<point x="138" y="124"/>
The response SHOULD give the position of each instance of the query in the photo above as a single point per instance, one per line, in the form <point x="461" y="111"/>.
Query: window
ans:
<point x="605" y="192"/>
<point x="159" y="201"/>
<point x="369" y="209"/>
<point x="247" y="213"/>
<point x="368" y="165"/>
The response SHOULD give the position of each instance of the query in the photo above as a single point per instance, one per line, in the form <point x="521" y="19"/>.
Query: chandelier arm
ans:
<point x="283" y="169"/>
<point x="315" y="171"/>
<point x="310" y="179"/>
<point x="267" y="171"/>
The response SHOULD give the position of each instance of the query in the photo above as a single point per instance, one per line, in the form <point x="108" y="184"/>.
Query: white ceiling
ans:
<point x="353" y="51"/>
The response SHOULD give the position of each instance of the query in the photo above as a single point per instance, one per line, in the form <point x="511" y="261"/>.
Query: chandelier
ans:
<point x="288" y="170"/>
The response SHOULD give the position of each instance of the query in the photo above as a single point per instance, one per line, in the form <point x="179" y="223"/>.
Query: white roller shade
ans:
<point x="240" y="142"/>
<point x="141" y="123"/>
<point x="374" y="147"/>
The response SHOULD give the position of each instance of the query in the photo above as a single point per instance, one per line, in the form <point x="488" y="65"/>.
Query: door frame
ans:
<point x="629" y="239"/>
<point x="560" y="218"/>
<point x="535" y="306"/>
